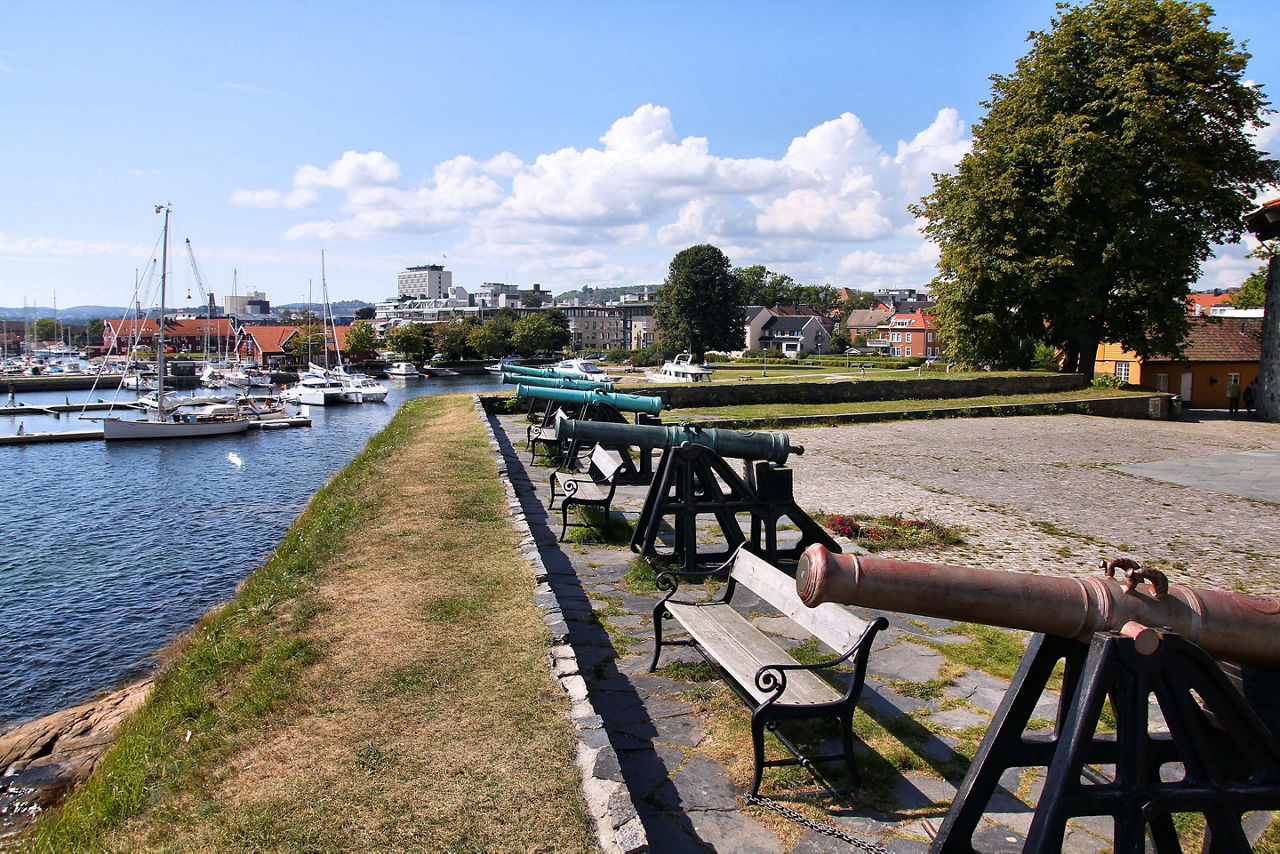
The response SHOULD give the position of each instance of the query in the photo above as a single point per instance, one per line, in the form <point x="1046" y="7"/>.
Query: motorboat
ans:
<point x="496" y="367"/>
<point x="359" y="388"/>
<point x="315" y="387"/>
<point x="248" y="376"/>
<point x="404" y="371"/>
<point x="681" y="369"/>
<point x="584" y="368"/>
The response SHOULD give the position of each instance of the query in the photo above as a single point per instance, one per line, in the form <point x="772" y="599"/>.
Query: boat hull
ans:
<point x="116" y="429"/>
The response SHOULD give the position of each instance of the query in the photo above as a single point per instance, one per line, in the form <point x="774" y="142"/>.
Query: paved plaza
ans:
<point x="1050" y="494"/>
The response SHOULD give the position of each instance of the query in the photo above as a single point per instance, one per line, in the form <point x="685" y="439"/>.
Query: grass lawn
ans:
<point x="380" y="684"/>
<point x="783" y="410"/>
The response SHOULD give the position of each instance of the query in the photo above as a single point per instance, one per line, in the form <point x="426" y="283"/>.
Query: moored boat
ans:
<point x="681" y="369"/>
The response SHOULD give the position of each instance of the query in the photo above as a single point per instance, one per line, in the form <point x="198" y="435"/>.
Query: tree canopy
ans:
<point x="699" y="307"/>
<point x="761" y="286"/>
<point x="1253" y="293"/>
<point x="537" y="333"/>
<point x="360" y="338"/>
<point x="414" y="341"/>
<point x="1107" y="165"/>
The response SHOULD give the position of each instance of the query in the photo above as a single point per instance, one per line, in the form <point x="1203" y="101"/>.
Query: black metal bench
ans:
<point x="593" y="488"/>
<point x="544" y="436"/>
<point x="768" y="679"/>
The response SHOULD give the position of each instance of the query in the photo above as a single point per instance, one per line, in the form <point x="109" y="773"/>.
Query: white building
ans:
<point x="430" y="281"/>
<point x="498" y="295"/>
<point x="254" y="302"/>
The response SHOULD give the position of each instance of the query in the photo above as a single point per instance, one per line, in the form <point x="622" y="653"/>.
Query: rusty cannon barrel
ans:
<point x="620" y="402"/>
<point x="546" y="382"/>
<point x="1229" y="626"/>
<point x="740" y="444"/>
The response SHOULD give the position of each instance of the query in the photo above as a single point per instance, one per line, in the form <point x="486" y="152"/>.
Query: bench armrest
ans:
<point x="670" y="580"/>
<point x="772" y="678"/>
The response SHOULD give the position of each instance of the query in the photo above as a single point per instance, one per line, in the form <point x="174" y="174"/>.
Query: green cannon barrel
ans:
<point x="544" y="382"/>
<point x="741" y="444"/>
<point x="621" y="402"/>
<point x="545" y="373"/>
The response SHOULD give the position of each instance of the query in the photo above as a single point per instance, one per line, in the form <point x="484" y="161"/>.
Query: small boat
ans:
<point x="247" y="376"/>
<point x="403" y="371"/>
<point x="358" y="388"/>
<point x="681" y="369"/>
<point x="584" y="368"/>
<point x="496" y="367"/>
<point x="315" y="387"/>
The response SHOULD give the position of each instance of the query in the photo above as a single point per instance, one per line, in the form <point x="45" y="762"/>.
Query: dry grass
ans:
<point x="430" y="722"/>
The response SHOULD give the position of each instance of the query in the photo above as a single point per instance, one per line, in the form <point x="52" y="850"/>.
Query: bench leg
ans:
<point x="846" y="734"/>
<point x="564" y="518"/>
<point x="757" y="744"/>
<point x="658" y="611"/>
<point x="552" y="502"/>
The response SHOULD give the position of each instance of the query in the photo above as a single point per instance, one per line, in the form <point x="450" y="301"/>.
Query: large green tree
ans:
<point x="537" y="333"/>
<point x="361" y="337"/>
<point x="414" y="341"/>
<point x="699" y="307"/>
<point x="1106" y="167"/>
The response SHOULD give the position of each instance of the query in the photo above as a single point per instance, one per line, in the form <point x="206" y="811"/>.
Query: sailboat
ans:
<point x="161" y="425"/>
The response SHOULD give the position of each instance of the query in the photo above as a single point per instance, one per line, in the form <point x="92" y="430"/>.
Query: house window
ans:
<point x="1233" y="378"/>
<point x="929" y="337"/>
<point x="908" y="336"/>
<point x="895" y="351"/>
<point x="1162" y="382"/>
<point x="895" y="336"/>
<point x="1122" y="371"/>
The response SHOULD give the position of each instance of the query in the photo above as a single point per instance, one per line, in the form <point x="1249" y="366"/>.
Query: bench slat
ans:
<point x="742" y="649"/>
<point x="834" y="625"/>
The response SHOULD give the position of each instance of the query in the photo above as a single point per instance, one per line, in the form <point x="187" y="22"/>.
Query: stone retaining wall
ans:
<point x="852" y="391"/>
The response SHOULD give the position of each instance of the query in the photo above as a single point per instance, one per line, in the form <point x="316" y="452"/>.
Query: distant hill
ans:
<point x="592" y="294"/>
<point x="85" y="313"/>
<point x="73" y="314"/>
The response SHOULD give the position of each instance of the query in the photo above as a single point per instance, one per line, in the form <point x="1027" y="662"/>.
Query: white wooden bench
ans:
<point x="768" y="679"/>
<point x="592" y="488"/>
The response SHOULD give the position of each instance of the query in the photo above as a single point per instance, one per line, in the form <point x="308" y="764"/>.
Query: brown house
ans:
<point x="1217" y="350"/>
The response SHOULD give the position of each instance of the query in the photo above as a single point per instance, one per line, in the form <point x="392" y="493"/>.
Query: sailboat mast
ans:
<point x="324" y="310"/>
<point x="164" y="270"/>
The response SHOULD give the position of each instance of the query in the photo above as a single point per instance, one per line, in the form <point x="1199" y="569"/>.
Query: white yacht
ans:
<point x="584" y="368"/>
<point x="358" y="388"/>
<point x="681" y="369"/>
<point x="403" y="371"/>
<point x="315" y="387"/>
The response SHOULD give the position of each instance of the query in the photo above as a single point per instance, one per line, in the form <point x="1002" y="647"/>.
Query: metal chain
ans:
<point x="829" y="830"/>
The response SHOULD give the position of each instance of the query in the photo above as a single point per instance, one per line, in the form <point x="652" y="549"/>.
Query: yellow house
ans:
<point x="1217" y="350"/>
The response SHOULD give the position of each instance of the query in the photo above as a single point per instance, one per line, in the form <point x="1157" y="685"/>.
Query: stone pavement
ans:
<point x="668" y="741"/>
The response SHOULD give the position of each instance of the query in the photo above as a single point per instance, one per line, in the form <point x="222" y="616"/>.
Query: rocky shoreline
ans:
<point x="42" y="759"/>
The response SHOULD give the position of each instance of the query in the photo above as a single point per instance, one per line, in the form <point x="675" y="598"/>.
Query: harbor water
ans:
<point x="109" y="550"/>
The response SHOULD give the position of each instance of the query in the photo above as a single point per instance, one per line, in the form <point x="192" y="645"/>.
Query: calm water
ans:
<point x="109" y="550"/>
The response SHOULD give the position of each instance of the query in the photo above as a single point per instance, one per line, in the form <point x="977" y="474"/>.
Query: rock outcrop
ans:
<point x="41" y="759"/>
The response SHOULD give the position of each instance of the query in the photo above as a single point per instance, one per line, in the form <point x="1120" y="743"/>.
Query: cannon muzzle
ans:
<point x="620" y="402"/>
<point x="740" y="444"/>
<point x="546" y="382"/>
<point x="1229" y="626"/>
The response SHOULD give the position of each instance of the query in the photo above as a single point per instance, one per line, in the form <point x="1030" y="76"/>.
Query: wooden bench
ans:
<point x="544" y="435"/>
<point x="593" y="488"/>
<point x="768" y="679"/>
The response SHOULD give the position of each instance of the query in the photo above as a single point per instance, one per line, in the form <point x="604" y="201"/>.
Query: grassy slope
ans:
<point x="379" y="684"/>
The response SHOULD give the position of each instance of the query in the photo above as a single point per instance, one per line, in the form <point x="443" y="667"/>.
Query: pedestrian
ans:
<point x="1250" y="395"/>
<point x="21" y="430"/>
<point x="1233" y="395"/>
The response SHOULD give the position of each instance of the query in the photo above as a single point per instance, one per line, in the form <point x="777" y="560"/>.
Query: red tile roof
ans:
<point x="271" y="339"/>
<point x="1205" y="300"/>
<point x="146" y="328"/>
<point x="1224" y="339"/>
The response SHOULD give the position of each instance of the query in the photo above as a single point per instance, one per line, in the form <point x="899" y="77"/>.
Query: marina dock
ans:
<point x="91" y="435"/>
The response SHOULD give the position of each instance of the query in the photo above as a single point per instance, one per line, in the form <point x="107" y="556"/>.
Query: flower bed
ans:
<point x="878" y="533"/>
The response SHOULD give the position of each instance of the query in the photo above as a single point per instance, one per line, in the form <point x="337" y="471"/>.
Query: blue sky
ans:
<point x="551" y="142"/>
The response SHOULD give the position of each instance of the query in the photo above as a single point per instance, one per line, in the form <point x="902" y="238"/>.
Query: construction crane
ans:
<point x="204" y="297"/>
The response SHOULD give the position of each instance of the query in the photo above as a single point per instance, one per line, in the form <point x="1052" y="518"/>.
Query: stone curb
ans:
<point x="618" y="825"/>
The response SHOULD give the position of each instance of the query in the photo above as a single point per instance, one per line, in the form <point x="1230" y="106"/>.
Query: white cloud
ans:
<point x="619" y="207"/>
<point x="43" y="247"/>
